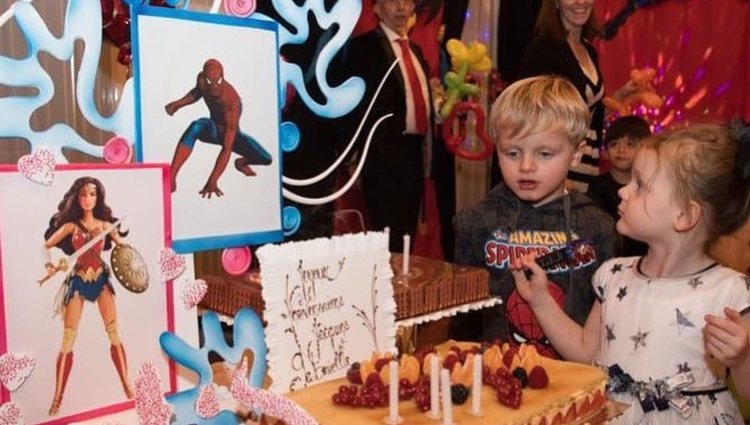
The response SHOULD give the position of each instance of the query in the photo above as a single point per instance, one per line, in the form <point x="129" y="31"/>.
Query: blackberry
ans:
<point x="353" y="374"/>
<point x="520" y="374"/>
<point x="459" y="394"/>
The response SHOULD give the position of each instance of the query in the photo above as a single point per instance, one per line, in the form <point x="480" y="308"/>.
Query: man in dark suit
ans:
<point x="393" y="175"/>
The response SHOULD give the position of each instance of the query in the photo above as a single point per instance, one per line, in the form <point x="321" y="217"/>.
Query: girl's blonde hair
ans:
<point x="705" y="164"/>
<point x="539" y="104"/>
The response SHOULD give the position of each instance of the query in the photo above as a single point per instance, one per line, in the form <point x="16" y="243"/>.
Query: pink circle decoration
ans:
<point x="236" y="260"/>
<point x="117" y="150"/>
<point x="241" y="8"/>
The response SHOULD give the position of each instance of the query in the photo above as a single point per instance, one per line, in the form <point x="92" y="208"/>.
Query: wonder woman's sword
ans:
<point x="62" y="263"/>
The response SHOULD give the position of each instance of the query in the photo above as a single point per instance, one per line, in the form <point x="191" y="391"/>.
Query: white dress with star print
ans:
<point x="652" y="328"/>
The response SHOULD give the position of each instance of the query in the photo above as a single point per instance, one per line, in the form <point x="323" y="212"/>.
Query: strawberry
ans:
<point x="450" y="359"/>
<point x="421" y="353"/>
<point x="508" y="356"/>
<point x="381" y="362"/>
<point x="538" y="378"/>
<point x="462" y="355"/>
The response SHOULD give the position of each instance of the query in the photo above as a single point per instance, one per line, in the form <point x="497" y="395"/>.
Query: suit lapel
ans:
<point x="385" y="44"/>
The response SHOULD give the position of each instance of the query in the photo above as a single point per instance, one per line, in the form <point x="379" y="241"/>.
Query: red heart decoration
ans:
<point x="453" y="140"/>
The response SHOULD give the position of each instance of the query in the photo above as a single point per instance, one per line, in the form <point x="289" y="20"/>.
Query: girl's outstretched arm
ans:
<point x="728" y="340"/>
<point x="573" y="342"/>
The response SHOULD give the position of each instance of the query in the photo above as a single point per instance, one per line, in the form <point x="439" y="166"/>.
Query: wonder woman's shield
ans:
<point x="129" y="268"/>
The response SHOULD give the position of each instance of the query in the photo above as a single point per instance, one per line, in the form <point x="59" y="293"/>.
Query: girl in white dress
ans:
<point x="669" y="327"/>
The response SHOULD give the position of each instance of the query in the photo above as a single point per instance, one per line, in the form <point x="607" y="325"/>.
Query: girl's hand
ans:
<point x="726" y="338"/>
<point x="532" y="289"/>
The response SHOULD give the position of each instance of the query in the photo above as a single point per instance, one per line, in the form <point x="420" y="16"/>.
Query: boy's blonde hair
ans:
<point x="544" y="103"/>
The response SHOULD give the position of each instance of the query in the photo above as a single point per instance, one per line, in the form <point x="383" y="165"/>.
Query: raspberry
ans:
<point x="520" y="374"/>
<point x="509" y="395"/>
<point x="459" y="394"/>
<point x="503" y="374"/>
<point x="406" y="390"/>
<point x="373" y="380"/>
<point x="538" y="378"/>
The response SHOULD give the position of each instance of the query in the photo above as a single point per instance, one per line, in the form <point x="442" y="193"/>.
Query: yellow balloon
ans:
<point x="484" y="65"/>
<point x="474" y="55"/>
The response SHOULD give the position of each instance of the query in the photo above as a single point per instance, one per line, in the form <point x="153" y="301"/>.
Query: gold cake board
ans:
<point x="317" y="401"/>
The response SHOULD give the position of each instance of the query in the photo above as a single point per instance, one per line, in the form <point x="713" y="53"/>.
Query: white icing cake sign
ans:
<point x="329" y="303"/>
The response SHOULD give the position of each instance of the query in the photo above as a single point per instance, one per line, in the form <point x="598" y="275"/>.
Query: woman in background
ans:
<point x="562" y="46"/>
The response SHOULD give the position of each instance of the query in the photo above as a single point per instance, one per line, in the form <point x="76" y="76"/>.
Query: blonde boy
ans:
<point x="538" y="125"/>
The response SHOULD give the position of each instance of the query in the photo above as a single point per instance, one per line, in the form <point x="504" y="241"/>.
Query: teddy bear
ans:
<point x="637" y="91"/>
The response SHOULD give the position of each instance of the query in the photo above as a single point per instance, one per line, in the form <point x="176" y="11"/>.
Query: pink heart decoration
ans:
<point x="171" y="264"/>
<point x="150" y="405"/>
<point x="10" y="414"/>
<point x="269" y="403"/>
<point x="207" y="405"/>
<point x="193" y="293"/>
<point x="38" y="167"/>
<point x="14" y="369"/>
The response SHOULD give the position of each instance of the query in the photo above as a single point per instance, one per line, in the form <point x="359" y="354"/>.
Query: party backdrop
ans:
<point x="701" y="50"/>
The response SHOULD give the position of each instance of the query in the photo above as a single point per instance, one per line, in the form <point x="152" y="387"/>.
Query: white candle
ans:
<point x="434" y="386"/>
<point x="407" y="249"/>
<point x="476" y="386"/>
<point x="393" y="392"/>
<point x="445" y="384"/>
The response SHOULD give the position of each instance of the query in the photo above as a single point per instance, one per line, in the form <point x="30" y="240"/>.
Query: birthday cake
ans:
<point x="547" y="392"/>
<point x="228" y="294"/>
<point x="433" y="285"/>
<point x="429" y="286"/>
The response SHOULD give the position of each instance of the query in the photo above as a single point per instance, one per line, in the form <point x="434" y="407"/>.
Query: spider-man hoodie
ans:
<point x="502" y="227"/>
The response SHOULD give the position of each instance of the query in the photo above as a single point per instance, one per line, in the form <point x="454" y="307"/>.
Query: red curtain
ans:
<point x="700" y="48"/>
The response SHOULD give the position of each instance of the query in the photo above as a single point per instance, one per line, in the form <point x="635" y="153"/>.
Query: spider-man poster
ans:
<point x="213" y="115"/>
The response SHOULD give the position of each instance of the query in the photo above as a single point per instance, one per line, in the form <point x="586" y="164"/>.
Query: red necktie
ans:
<point x="420" y="109"/>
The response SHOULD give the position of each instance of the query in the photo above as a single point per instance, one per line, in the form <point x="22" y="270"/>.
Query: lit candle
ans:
<point x="434" y="386"/>
<point x="407" y="249"/>
<point x="445" y="384"/>
<point x="476" y="386"/>
<point x="393" y="392"/>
